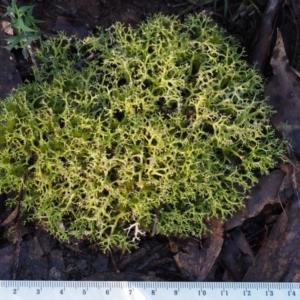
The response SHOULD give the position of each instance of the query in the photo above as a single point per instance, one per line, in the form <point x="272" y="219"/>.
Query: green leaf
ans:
<point x="8" y="12"/>
<point x="38" y="21"/>
<point x="14" y="41"/>
<point x="11" y="9"/>
<point x="24" y="9"/>
<point x="23" y="27"/>
<point x="8" y="47"/>
<point x="25" y="53"/>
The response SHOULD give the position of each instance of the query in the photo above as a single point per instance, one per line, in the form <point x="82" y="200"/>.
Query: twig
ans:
<point x="114" y="262"/>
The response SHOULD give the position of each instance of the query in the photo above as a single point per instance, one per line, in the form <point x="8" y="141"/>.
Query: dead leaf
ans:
<point x="283" y="92"/>
<point x="289" y="30"/>
<point x="263" y="193"/>
<point x="261" y="49"/>
<point x="132" y="257"/>
<point x="6" y="262"/>
<point x="296" y="8"/>
<point x="275" y="256"/>
<point x="71" y="27"/>
<point x="282" y="247"/>
<point x="292" y="274"/>
<point x="236" y="255"/>
<point x="9" y="76"/>
<point x="195" y="261"/>
<point x="126" y="276"/>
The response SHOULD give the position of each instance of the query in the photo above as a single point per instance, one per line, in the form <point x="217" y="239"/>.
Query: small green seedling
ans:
<point x="25" y="24"/>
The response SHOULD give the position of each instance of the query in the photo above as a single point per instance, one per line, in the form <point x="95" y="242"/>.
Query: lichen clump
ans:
<point x="158" y="128"/>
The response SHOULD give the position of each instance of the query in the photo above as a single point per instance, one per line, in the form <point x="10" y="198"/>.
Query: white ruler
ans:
<point x="98" y="290"/>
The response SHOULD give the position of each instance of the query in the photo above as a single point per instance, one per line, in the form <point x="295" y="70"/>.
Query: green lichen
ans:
<point x="166" y="124"/>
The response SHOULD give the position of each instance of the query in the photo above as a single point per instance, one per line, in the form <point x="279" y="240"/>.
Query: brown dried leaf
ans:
<point x="265" y="192"/>
<point x="275" y="256"/>
<point x="282" y="247"/>
<point x="296" y="8"/>
<point x="261" y="49"/>
<point x="292" y="273"/>
<point x="236" y="255"/>
<point x="71" y="27"/>
<point x="195" y="261"/>
<point x="9" y="76"/>
<point x="283" y="92"/>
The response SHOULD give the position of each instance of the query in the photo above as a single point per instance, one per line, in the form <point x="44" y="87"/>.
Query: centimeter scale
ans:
<point x="94" y="290"/>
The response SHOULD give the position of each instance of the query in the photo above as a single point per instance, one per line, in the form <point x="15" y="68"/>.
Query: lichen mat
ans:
<point x="166" y="125"/>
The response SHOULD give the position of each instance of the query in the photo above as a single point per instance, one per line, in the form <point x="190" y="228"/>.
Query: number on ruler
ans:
<point x="203" y="293"/>
<point x="107" y="292"/>
<point x="224" y="293"/>
<point x="247" y="293"/>
<point x="61" y="292"/>
<point x="291" y="293"/>
<point x="14" y="291"/>
<point x="175" y="292"/>
<point x="269" y="293"/>
<point x="38" y="291"/>
<point x="83" y="292"/>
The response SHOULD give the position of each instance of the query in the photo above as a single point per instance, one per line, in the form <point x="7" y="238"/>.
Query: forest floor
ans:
<point x="261" y="242"/>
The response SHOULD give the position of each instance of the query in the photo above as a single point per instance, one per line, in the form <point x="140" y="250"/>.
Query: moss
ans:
<point x="166" y="122"/>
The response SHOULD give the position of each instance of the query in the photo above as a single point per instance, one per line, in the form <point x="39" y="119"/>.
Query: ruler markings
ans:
<point x="77" y="290"/>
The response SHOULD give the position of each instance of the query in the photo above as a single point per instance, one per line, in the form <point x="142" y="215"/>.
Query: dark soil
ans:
<point x="259" y="243"/>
